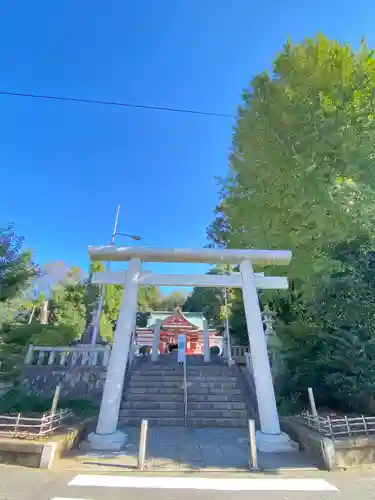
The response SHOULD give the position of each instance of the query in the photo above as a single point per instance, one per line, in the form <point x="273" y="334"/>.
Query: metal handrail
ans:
<point x="185" y="394"/>
<point x="229" y="348"/>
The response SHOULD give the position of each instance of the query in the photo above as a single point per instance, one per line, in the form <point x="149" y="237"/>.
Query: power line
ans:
<point x="116" y="103"/>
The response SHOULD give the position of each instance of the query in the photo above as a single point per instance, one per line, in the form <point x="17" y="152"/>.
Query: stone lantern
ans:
<point x="273" y="342"/>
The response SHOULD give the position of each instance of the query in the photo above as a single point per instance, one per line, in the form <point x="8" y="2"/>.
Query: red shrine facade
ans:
<point x="173" y="325"/>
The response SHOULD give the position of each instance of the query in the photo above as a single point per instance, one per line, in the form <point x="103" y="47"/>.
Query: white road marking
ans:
<point x="66" y="498"/>
<point x="195" y="483"/>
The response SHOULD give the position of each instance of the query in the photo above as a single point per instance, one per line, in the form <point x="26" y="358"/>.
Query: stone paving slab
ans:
<point x="191" y="449"/>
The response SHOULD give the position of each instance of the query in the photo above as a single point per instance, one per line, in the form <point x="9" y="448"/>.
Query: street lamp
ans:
<point x="227" y="334"/>
<point x="135" y="237"/>
<point x="132" y="236"/>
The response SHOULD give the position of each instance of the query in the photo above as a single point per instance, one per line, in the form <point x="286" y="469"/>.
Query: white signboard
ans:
<point x="181" y="345"/>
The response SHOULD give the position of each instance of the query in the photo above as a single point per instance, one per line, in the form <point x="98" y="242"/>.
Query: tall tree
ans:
<point x="149" y="298"/>
<point x="301" y="171"/>
<point x="211" y="300"/>
<point x="333" y="333"/>
<point x="170" y="302"/>
<point x="67" y="305"/>
<point x="16" y="273"/>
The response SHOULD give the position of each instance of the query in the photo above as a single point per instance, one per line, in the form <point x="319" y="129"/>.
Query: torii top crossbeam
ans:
<point x="202" y="255"/>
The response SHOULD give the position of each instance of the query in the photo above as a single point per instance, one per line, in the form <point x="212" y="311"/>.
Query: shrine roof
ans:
<point x="194" y="318"/>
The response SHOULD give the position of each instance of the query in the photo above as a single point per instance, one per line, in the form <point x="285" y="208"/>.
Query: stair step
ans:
<point x="212" y="378"/>
<point x="208" y="414"/>
<point x="217" y="422"/>
<point x="153" y="422"/>
<point x="210" y="372"/>
<point x="228" y="386"/>
<point x="230" y="398"/>
<point x="216" y="405"/>
<point x="141" y="396"/>
<point x="152" y="405"/>
<point x="160" y="368"/>
<point x="156" y="390"/>
<point x="195" y="389"/>
<point x="156" y="378"/>
<point x="152" y="413"/>
<point x="154" y="383"/>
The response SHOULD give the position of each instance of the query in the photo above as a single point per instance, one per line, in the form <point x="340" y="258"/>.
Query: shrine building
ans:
<point x="173" y="324"/>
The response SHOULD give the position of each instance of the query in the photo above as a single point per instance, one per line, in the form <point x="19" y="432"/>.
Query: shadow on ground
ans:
<point x="194" y="449"/>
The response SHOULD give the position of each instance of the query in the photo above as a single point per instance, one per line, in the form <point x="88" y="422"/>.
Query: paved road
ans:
<point x="24" y="484"/>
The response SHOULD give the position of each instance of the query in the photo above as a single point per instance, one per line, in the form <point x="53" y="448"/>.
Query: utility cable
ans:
<point x="117" y="103"/>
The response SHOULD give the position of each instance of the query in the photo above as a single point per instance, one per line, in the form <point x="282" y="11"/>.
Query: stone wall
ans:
<point x="339" y="453"/>
<point x="43" y="453"/>
<point x="317" y="446"/>
<point x="81" y="382"/>
<point x="354" y="452"/>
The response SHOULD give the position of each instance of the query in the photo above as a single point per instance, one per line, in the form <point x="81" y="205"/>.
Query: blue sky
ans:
<point x="65" y="166"/>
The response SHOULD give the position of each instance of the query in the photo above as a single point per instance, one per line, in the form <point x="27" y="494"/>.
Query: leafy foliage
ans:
<point x="67" y="307"/>
<point x="170" y="302"/>
<point x="336" y="341"/>
<point x="301" y="177"/>
<point x="149" y="298"/>
<point x="17" y="401"/>
<point x="49" y="335"/>
<point x="301" y="173"/>
<point x="16" y="271"/>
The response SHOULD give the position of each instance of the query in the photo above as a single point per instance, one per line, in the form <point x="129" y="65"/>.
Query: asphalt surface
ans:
<point x="17" y="483"/>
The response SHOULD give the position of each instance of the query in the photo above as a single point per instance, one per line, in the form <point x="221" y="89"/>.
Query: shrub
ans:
<point x="17" y="401"/>
<point x="145" y="349"/>
<point x="215" y="350"/>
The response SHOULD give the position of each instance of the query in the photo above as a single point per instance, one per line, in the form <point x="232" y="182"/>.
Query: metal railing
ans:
<point x="229" y="348"/>
<point x="339" y="426"/>
<point x="68" y="356"/>
<point x="185" y="394"/>
<point x="19" y="426"/>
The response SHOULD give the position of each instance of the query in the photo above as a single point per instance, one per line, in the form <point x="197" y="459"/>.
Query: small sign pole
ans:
<point x="142" y="445"/>
<point x="253" y="446"/>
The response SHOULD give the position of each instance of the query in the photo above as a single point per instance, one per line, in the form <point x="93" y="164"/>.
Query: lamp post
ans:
<point x="227" y="334"/>
<point x="95" y="329"/>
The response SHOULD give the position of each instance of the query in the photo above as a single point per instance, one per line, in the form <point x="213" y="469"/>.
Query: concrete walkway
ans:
<point x="191" y="449"/>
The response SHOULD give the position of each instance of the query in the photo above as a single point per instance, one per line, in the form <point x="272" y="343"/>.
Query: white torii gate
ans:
<point x="270" y="437"/>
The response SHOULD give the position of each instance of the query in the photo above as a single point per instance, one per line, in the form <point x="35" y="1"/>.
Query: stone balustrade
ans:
<point x="248" y="362"/>
<point x="66" y="357"/>
<point x="239" y="353"/>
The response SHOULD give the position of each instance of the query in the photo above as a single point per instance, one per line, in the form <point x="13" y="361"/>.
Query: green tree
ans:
<point x="149" y="298"/>
<point x="111" y="309"/>
<point x="67" y="307"/>
<point x="170" y="302"/>
<point x="334" y="333"/>
<point x="208" y="300"/>
<point x="16" y="273"/>
<point x="301" y="168"/>
<point x="92" y="290"/>
<point x="211" y="302"/>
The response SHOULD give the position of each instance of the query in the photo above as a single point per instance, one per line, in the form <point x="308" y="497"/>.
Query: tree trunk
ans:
<point x="43" y="318"/>
<point x="31" y="315"/>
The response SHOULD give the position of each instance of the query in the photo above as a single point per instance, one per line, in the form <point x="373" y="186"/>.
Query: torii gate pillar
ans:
<point x="269" y="438"/>
<point x="107" y="437"/>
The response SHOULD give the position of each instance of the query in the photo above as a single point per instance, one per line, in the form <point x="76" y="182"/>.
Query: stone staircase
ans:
<point x="156" y="392"/>
<point x="215" y="397"/>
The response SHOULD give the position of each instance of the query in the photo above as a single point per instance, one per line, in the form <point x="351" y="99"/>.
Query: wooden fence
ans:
<point x="340" y="426"/>
<point x="28" y="427"/>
